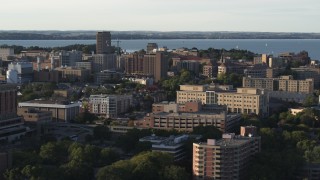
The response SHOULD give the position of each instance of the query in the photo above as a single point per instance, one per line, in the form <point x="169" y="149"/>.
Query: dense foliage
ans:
<point x="145" y="166"/>
<point x="60" y="160"/>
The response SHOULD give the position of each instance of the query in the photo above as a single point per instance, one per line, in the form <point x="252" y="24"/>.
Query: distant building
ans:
<point x="24" y="72"/>
<point x="245" y="100"/>
<point x="11" y="125"/>
<point x="103" y="44"/>
<point x="109" y="106"/>
<point x="72" y="74"/>
<point x="5" y="53"/>
<point x="303" y="73"/>
<point x="102" y="62"/>
<point x="107" y="75"/>
<point x="144" y="81"/>
<point x="85" y="65"/>
<point x="133" y="63"/>
<point x="36" y="119"/>
<point x="156" y="65"/>
<point x="174" y="145"/>
<point x="187" y="121"/>
<point x="256" y="71"/>
<point x="227" y="158"/>
<point x="62" y="111"/>
<point x="152" y="47"/>
<point x="208" y="71"/>
<point x="47" y="76"/>
<point x="284" y="83"/>
<point x="67" y="58"/>
<point x="204" y="93"/>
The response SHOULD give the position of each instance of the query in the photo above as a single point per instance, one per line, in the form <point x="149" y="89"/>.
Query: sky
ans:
<point x="162" y="15"/>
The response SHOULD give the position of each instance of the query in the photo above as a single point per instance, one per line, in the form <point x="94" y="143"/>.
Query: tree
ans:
<point x="101" y="133"/>
<point x="207" y="132"/>
<point x="175" y="173"/>
<point x="108" y="156"/>
<point x="145" y="166"/>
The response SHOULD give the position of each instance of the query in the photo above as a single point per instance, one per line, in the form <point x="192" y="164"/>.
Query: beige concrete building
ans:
<point x="227" y="158"/>
<point x="245" y="100"/>
<point x="284" y="83"/>
<point x="203" y="93"/>
<point x="262" y="83"/>
<point x="287" y="83"/>
<point x="187" y="121"/>
<point x="189" y="93"/>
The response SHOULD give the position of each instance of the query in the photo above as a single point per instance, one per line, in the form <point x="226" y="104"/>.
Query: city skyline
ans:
<point x="165" y="15"/>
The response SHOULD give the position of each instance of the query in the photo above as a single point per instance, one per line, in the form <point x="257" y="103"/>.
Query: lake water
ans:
<point x="269" y="46"/>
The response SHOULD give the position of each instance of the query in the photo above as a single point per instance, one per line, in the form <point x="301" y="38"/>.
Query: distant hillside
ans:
<point x="60" y="35"/>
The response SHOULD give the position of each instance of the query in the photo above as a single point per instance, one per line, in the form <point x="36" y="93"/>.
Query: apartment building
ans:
<point x="133" y="63"/>
<point x="187" y="121"/>
<point x="245" y="100"/>
<point x="109" y="106"/>
<point x="156" y="65"/>
<point x="227" y="158"/>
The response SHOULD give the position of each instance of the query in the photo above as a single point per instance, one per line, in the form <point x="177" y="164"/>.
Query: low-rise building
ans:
<point x="174" y="145"/>
<point x="35" y="119"/>
<point x="187" y="121"/>
<point x="62" y="111"/>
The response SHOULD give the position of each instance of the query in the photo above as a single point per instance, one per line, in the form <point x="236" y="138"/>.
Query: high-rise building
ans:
<point x="156" y="65"/>
<point x="11" y="125"/>
<point x="227" y="158"/>
<point x="103" y="44"/>
<point x="151" y="47"/>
